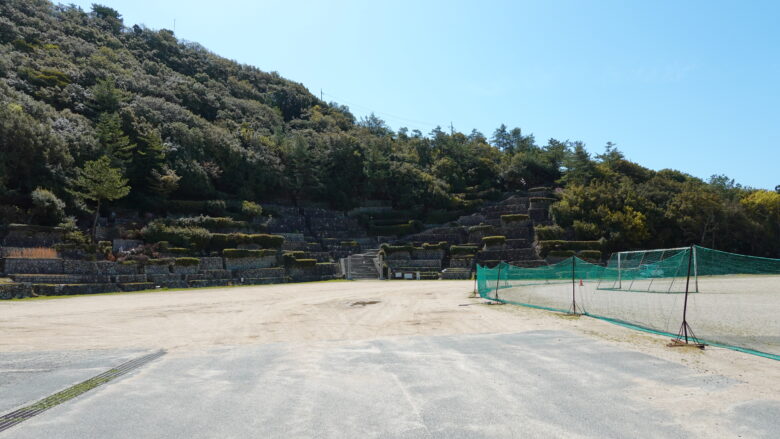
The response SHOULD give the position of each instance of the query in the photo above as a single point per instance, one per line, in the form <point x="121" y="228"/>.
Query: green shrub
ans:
<point x="540" y="189"/>
<point x="192" y="237"/>
<point x="128" y="262"/>
<point x="177" y="250"/>
<point x="548" y="233"/>
<point x="438" y="246"/>
<point x="235" y="253"/>
<point x="561" y="253"/>
<point x="250" y="209"/>
<point x="547" y="246"/>
<point x="349" y="244"/>
<point x="493" y="240"/>
<point x="592" y="255"/>
<point x="513" y="218"/>
<point x="163" y="246"/>
<point x="481" y="228"/>
<point x="47" y="209"/>
<point x="457" y="250"/>
<point x="162" y="261"/>
<point x="586" y="231"/>
<point x="187" y="262"/>
<point x="542" y="199"/>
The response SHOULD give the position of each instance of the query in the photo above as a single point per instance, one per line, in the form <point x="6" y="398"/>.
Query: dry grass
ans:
<point x="32" y="253"/>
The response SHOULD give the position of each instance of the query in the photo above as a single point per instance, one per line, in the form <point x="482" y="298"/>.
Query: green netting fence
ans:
<point x="733" y="300"/>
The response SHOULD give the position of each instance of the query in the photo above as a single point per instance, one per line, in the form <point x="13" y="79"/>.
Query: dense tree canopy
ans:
<point x="181" y="123"/>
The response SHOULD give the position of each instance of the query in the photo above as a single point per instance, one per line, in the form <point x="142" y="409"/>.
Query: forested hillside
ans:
<point x="82" y="88"/>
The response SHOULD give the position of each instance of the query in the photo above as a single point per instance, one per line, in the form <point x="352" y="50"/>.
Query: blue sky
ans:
<point x="689" y="85"/>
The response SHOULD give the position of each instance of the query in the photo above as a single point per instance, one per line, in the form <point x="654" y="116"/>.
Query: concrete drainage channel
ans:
<point x="17" y="416"/>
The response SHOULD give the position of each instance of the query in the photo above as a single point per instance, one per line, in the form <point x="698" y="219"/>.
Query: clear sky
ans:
<point x="689" y="85"/>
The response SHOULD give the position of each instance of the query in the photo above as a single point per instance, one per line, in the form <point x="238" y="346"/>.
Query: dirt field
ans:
<point x="321" y="326"/>
<point x="185" y="319"/>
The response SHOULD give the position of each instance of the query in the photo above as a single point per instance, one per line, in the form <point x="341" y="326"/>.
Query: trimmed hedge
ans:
<point x="162" y="261"/>
<point x="480" y="228"/>
<point x="547" y="246"/>
<point x="303" y="262"/>
<point x="515" y="217"/>
<point x="349" y="244"/>
<point x="438" y="246"/>
<point x="191" y="237"/>
<point x="540" y="189"/>
<point x="187" y="262"/>
<point x="549" y="233"/>
<point x="177" y="251"/>
<point x="590" y="254"/>
<point x="388" y="249"/>
<point x="220" y="241"/>
<point x="463" y="250"/>
<point x="290" y="257"/>
<point x="542" y="199"/>
<point x="209" y="222"/>
<point x="235" y="253"/>
<point x="33" y="228"/>
<point x="561" y="253"/>
<point x="493" y="240"/>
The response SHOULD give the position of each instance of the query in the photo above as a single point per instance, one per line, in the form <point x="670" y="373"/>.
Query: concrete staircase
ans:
<point x="361" y="266"/>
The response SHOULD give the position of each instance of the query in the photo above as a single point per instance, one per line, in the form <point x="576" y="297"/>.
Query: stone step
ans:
<point x="456" y="273"/>
<point x="417" y="263"/>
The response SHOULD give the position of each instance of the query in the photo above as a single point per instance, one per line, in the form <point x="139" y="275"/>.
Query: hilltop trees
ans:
<point x="164" y="120"/>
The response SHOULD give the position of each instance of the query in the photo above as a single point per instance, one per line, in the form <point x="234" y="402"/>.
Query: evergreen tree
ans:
<point x="113" y="140"/>
<point x="97" y="181"/>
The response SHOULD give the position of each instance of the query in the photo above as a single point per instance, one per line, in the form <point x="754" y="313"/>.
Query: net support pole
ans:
<point x="573" y="285"/>
<point x="619" y="271"/>
<point x="498" y="279"/>
<point x="686" y="332"/>
<point x="695" y="268"/>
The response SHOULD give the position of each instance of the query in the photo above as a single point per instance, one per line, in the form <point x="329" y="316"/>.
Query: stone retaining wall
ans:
<point x="14" y="291"/>
<point x="248" y="263"/>
<point x="260" y="273"/>
<point x="211" y="263"/>
<point x="156" y="269"/>
<point x="32" y="266"/>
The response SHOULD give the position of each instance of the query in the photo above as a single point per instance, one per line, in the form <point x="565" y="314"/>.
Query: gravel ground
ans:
<point x="366" y="359"/>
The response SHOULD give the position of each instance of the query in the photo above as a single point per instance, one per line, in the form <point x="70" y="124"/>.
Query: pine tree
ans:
<point x="116" y="145"/>
<point x="98" y="181"/>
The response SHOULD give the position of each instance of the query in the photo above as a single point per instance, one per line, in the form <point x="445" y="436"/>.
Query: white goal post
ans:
<point x="624" y="256"/>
